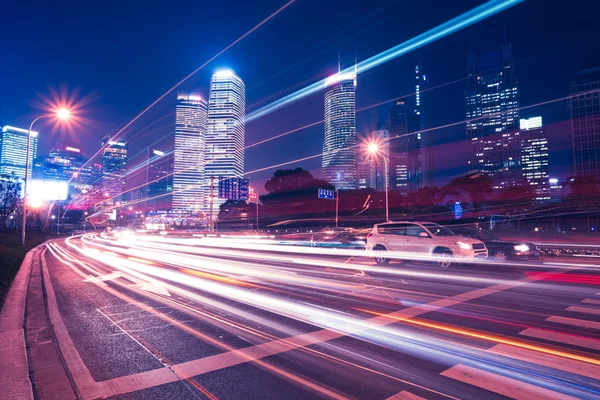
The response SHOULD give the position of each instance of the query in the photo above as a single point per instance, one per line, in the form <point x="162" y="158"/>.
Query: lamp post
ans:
<point x="373" y="149"/>
<point x="62" y="114"/>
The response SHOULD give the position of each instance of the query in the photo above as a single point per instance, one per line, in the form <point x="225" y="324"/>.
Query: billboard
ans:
<point x="46" y="189"/>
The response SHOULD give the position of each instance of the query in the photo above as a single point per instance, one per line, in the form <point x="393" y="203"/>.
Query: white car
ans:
<point x="422" y="238"/>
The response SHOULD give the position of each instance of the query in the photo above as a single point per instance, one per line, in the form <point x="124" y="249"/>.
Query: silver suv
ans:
<point x="417" y="239"/>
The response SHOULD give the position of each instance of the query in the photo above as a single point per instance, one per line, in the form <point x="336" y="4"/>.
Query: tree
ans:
<point x="10" y="200"/>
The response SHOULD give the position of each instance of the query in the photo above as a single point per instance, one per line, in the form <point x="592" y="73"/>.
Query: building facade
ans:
<point x="492" y="114"/>
<point x="399" y="147"/>
<point x="188" y="154"/>
<point x="159" y="191"/>
<point x="339" y="144"/>
<point x="59" y="164"/>
<point x="534" y="158"/>
<point x="13" y="148"/>
<point x="371" y="169"/>
<point x="585" y="122"/>
<point x="114" y="166"/>
<point x="225" y="135"/>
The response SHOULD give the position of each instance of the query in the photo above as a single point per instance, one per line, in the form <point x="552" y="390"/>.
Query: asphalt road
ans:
<point x="224" y="318"/>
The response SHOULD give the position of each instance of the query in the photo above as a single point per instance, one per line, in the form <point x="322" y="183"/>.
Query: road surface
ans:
<point x="151" y="317"/>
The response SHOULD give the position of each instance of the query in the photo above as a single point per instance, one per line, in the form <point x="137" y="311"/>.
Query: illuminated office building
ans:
<point x="339" y="145"/>
<point x="534" y="158"/>
<point x="492" y="113"/>
<point x="585" y="121"/>
<point x="59" y="164"/>
<point x="406" y="144"/>
<point x="188" y="155"/>
<point x="114" y="166"/>
<point x="225" y="135"/>
<point x="370" y="169"/>
<point x="13" y="147"/>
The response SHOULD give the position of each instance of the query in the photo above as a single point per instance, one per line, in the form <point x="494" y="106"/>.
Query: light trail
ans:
<point x="471" y="17"/>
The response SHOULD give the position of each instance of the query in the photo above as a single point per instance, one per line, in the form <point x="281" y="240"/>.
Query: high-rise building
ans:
<point x="415" y="142"/>
<point x="534" y="158"/>
<point x="114" y="160"/>
<point x="59" y="164"/>
<point x="399" y="147"/>
<point x="13" y="148"/>
<point x="339" y="145"/>
<point x="189" y="153"/>
<point x="406" y="144"/>
<point x="159" y="191"/>
<point x="492" y="113"/>
<point x="370" y="171"/>
<point x="585" y="121"/>
<point x="225" y="135"/>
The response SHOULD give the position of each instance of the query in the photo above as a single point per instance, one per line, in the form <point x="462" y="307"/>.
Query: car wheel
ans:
<point x="380" y="258"/>
<point x="444" y="258"/>
<point x="500" y="256"/>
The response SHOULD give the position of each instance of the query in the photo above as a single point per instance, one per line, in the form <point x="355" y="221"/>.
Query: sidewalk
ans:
<point x="31" y="364"/>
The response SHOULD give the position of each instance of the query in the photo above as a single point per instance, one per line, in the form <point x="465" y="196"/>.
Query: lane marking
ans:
<point x="502" y="385"/>
<point x="77" y="368"/>
<point x="253" y="353"/>
<point x="573" y="366"/>
<point x="591" y="301"/>
<point x="584" y="310"/>
<point x="573" y="321"/>
<point x="559" y="337"/>
<point x="404" y="395"/>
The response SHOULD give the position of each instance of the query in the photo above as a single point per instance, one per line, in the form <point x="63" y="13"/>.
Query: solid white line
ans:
<point x="502" y="385"/>
<point x="562" y="338"/>
<point x="81" y="375"/>
<point x="573" y="321"/>
<point x="556" y="362"/>
<point x="584" y="310"/>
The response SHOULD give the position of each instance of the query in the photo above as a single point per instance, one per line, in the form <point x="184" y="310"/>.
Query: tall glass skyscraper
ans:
<point x="492" y="113"/>
<point x="189" y="153"/>
<point x="534" y="158"/>
<point x="114" y="163"/>
<point x="226" y="130"/>
<point x="339" y="146"/>
<point x="406" y="148"/>
<point x="585" y="120"/>
<point x="13" y="147"/>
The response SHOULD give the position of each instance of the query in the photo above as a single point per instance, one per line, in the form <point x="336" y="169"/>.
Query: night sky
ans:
<point x="119" y="56"/>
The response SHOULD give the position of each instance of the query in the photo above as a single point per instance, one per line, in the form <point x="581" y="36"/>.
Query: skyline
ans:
<point x="396" y="74"/>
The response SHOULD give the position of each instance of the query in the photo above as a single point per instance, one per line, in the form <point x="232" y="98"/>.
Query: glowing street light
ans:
<point x="373" y="149"/>
<point x="62" y="114"/>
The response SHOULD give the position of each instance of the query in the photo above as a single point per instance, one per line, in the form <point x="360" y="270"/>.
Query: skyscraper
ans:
<point x="189" y="153"/>
<point x="534" y="158"/>
<point x="159" y="196"/>
<point x="415" y="142"/>
<point x="370" y="170"/>
<point x="405" y="147"/>
<point x="339" y="145"/>
<point x="399" y="147"/>
<point x="225" y="135"/>
<point x="59" y="164"/>
<point x="13" y="148"/>
<point x="492" y="113"/>
<point x="585" y="121"/>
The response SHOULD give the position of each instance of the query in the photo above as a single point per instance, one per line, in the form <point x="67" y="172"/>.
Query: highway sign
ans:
<point x="326" y="194"/>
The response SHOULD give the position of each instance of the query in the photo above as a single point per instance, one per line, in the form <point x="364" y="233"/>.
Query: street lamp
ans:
<point x="373" y="149"/>
<point x="62" y="114"/>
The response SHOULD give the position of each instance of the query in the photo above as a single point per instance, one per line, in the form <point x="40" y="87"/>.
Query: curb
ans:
<point x="14" y="363"/>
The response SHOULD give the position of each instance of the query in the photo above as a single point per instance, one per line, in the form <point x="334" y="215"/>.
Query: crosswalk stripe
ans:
<point x="584" y="310"/>
<point x="573" y="321"/>
<point x="562" y="338"/>
<point x="404" y="395"/>
<point x="591" y="301"/>
<point x="502" y="385"/>
<point x="535" y="357"/>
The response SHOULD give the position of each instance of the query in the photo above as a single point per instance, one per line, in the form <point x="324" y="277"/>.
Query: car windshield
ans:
<point x="439" y="230"/>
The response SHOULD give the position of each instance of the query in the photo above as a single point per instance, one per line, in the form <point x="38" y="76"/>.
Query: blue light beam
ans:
<point x="462" y="21"/>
